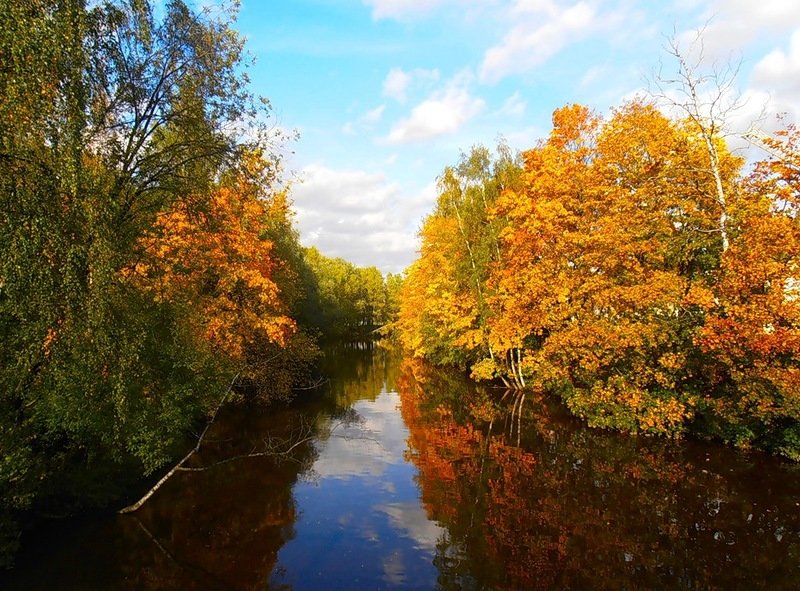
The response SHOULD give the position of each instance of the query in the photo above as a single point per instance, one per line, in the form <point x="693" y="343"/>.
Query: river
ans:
<point x="399" y="476"/>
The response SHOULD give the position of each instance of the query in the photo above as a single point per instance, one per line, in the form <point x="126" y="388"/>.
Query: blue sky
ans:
<point x="386" y="93"/>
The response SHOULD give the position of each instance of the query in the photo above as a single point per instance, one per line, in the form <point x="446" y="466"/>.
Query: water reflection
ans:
<point x="364" y="444"/>
<point x="416" y="479"/>
<point x="216" y="529"/>
<point x="576" y="508"/>
<point x="361" y="524"/>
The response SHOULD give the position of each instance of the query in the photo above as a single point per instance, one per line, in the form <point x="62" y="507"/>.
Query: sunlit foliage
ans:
<point x="602" y="273"/>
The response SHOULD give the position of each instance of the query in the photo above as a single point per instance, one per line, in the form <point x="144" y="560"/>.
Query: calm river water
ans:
<point x="403" y="477"/>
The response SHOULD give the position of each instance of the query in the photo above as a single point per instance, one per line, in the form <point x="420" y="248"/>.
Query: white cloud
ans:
<point x="592" y="75"/>
<point x="396" y="84"/>
<point x="374" y="115"/>
<point x="359" y="216"/>
<point x="411" y="518"/>
<point x="774" y="88"/>
<point x="780" y="70"/>
<point x="399" y="82"/>
<point x="544" y="30"/>
<point x="514" y="105"/>
<point x="526" y="138"/>
<point x="365" y="121"/>
<point x="401" y="9"/>
<point x="548" y="7"/>
<point x="729" y="24"/>
<point x="409" y="9"/>
<point x="442" y="113"/>
<point x="367" y="447"/>
<point x="767" y="32"/>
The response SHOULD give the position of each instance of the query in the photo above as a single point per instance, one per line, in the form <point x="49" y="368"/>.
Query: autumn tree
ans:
<point x="752" y="331"/>
<point x="113" y="121"/>
<point x="608" y="263"/>
<point x="445" y="303"/>
<point x="602" y="277"/>
<point x="628" y="266"/>
<point x="435" y="311"/>
<point x="222" y="265"/>
<point x="542" y="215"/>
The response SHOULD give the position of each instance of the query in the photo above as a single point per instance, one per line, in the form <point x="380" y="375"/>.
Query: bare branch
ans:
<point x="707" y="100"/>
<point x="135" y="506"/>
<point x="319" y="383"/>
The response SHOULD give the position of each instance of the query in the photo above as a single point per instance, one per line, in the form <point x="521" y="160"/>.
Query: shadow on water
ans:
<point x="414" y="478"/>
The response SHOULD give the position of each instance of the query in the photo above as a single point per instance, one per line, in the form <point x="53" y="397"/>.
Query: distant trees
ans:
<point x="350" y="302"/>
<point x="602" y="272"/>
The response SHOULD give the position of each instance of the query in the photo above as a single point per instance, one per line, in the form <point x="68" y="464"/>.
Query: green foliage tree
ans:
<point x="348" y="302"/>
<point x="110" y="116"/>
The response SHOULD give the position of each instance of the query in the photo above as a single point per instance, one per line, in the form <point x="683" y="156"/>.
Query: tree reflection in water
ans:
<point x="470" y="490"/>
<point x="219" y="528"/>
<point x="574" y="508"/>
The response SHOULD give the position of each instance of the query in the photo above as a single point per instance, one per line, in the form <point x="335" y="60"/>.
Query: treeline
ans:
<point x="629" y="264"/>
<point x="349" y="302"/>
<point x="147" y="253"/>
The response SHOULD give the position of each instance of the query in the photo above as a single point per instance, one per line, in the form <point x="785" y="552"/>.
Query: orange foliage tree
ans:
<point x="604" y="268"/>
<point x="436" y="311"/>
<point x="607" y="277"/>
<point x="218" y="260"/>
<point x="753" y="333"/>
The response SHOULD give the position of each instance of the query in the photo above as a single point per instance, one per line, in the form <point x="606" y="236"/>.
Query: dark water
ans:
<point x="402" y="477"/>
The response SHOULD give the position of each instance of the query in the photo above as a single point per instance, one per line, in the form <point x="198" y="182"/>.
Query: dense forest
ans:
<point x="631" y="264"/>
<point x="148" y="258"/>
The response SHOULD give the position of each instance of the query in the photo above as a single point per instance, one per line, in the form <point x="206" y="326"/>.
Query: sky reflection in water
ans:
<point x="360" y="522"/>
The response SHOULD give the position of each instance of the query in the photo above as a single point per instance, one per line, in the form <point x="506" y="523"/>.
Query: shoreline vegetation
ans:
<point x="648" y="280"/>
<point x="631" y="264"/>
<point x="147" y="250"/>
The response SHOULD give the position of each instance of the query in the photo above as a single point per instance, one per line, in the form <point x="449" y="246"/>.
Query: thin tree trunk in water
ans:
<point x="515" y="410"/>
<point x="502" y="377"/>
<point x="137" y="505"/>
<point x="510" y="357"/>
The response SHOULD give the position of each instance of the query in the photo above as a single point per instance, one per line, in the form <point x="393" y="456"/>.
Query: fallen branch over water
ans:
<point x="135" y="506"/>
<point x="320" y="382"/>
<point x="272" y="448"/>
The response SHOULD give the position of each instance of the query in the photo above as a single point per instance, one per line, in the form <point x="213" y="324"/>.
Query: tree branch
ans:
<point x="135" y="506"/>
